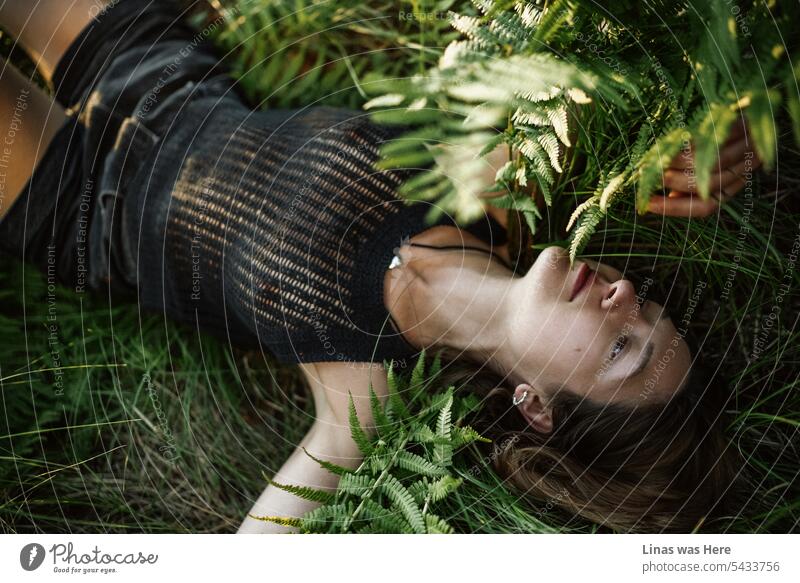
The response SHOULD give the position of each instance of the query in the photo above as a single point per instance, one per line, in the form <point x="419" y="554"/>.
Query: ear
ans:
<point x="531" y="403"/>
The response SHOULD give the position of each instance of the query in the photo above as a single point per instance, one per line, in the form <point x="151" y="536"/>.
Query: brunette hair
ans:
<point x="649" y="467"/>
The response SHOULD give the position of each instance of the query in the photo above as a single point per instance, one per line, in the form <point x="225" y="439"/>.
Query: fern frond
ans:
<point x="611" y="188"/>
<point x="549" y="141"/>
<point x="329" y="516"/>
<point x="587" y="225"/>
<point x="417" y="464"/>
<point x="419" y="490"/>
<point x="557" y="14"/>
<point x="382" y="423"/>
<point x="357" y="432"/>
<point x="465" y="435"/>
<point x="761" y="115"/>
<point x="442" y="449"/>
<point x="580" y="209"/>
<point x="404" y="501"/>
<point x="707" y="142"/>
<point x="423" y="434"/>
<point x="305" y="492"/>
<point x="331" y="467"/>
<point x="652" y="165"/>
<point x="436" y="367"/>
<point x="443" y="487"/>
<point x="282" y="520"/>
<point x="418" y="374"/>
<point x="357" y="485"/>
<point x="436" y="525"/>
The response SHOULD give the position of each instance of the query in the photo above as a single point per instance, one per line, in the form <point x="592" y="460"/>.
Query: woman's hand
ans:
<point x="737" y="160"/>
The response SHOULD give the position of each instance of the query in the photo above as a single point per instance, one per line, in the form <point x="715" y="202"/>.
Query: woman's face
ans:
<point x="602" y="340"/>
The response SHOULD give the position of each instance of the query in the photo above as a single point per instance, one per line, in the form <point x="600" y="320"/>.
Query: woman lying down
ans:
<point x="148" y="173"/>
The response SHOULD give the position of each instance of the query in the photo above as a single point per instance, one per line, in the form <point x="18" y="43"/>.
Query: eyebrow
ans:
<point x="643" y="360"/>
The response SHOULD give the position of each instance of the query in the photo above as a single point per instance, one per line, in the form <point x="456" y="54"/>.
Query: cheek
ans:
<point x="569" y="355"/>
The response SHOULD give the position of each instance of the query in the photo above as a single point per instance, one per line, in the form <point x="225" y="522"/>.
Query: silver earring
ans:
<point x="521" y="399"/>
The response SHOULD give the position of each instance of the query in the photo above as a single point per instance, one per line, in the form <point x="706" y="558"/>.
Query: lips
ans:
<point x="581" y="279"/>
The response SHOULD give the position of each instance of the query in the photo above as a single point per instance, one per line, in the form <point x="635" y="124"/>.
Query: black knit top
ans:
<point x="272" y="229"/>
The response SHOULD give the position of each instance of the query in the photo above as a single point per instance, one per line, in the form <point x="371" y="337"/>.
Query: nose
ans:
<point x="619" y="294"/>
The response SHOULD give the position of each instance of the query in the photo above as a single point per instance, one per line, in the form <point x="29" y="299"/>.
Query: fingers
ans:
<point x="726" y="184"/>
<point x="685" y="158"/>
<point x="682" y="206"/>
<point x="685" y="181"/>
<point x="736" y="158"/>
<point x="734" y="153"/>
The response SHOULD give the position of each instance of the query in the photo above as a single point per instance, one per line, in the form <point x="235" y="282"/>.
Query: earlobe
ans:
<point x="531" y="404"/>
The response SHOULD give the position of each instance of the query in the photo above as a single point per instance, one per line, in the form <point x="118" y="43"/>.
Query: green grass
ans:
<point x="160" y="430"/>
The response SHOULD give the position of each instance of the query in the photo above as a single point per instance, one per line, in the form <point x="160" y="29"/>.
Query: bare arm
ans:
<point x="29" y="120"/>
<point x="46" y="28"/>
<point x="328" y="439"/>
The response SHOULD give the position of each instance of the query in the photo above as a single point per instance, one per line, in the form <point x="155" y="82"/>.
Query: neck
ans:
<point x="465" y="306"/>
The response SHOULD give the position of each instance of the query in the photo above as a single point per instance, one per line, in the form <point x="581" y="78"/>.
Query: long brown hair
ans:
<point x="648" y="468"/>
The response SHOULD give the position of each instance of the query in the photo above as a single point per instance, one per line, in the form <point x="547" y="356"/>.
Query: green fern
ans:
<point x="407" y="468"/>
<point x="305" y="492"/>
<point x="523" y="72"/>
<point x="358" y="434"/>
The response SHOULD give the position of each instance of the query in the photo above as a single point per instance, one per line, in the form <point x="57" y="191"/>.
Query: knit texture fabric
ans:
<point x="271" y="229"/>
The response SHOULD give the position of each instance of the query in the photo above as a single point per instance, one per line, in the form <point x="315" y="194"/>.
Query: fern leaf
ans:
<point x="436" y="525"/>
<point x="305" y="492"/>
<point x="423" y="434"/>
<point x="357" y="432"/>
<point x="651" y="167"/>
<point x="466" y="434"/>
<point x="331" y="467"/>
<point x="378" y="462"/>
<point x="282" y="520"/>
<point x="549" y="142"/>
<point x="579" y="210"/>
<point x="578" y="96"/>
<point x="418" y="464"/>
<point x="386" y="100"/>
<point x="396" y="404"/>
<point x="559" y="119"/>
<point x="332" y="517"/>
<point x="355" y="484"/>
<point x="392" y="524"/>
<point x="707" y="142"/>
<point x="443" y="487"/>
<point x="418" y="374"/>
<point x="588" y="224"/>
<point x="443" y="450"/>
<point x="543" y="186"/>
<point x="419" y="490"/>
<point x="436" y="367"/>
<point x="382" y="422"/>
<point x="404" y="502"/>
<point x="761" y="115"/>
<point x="611" y="188"/>
<point x="556" y="15"/>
